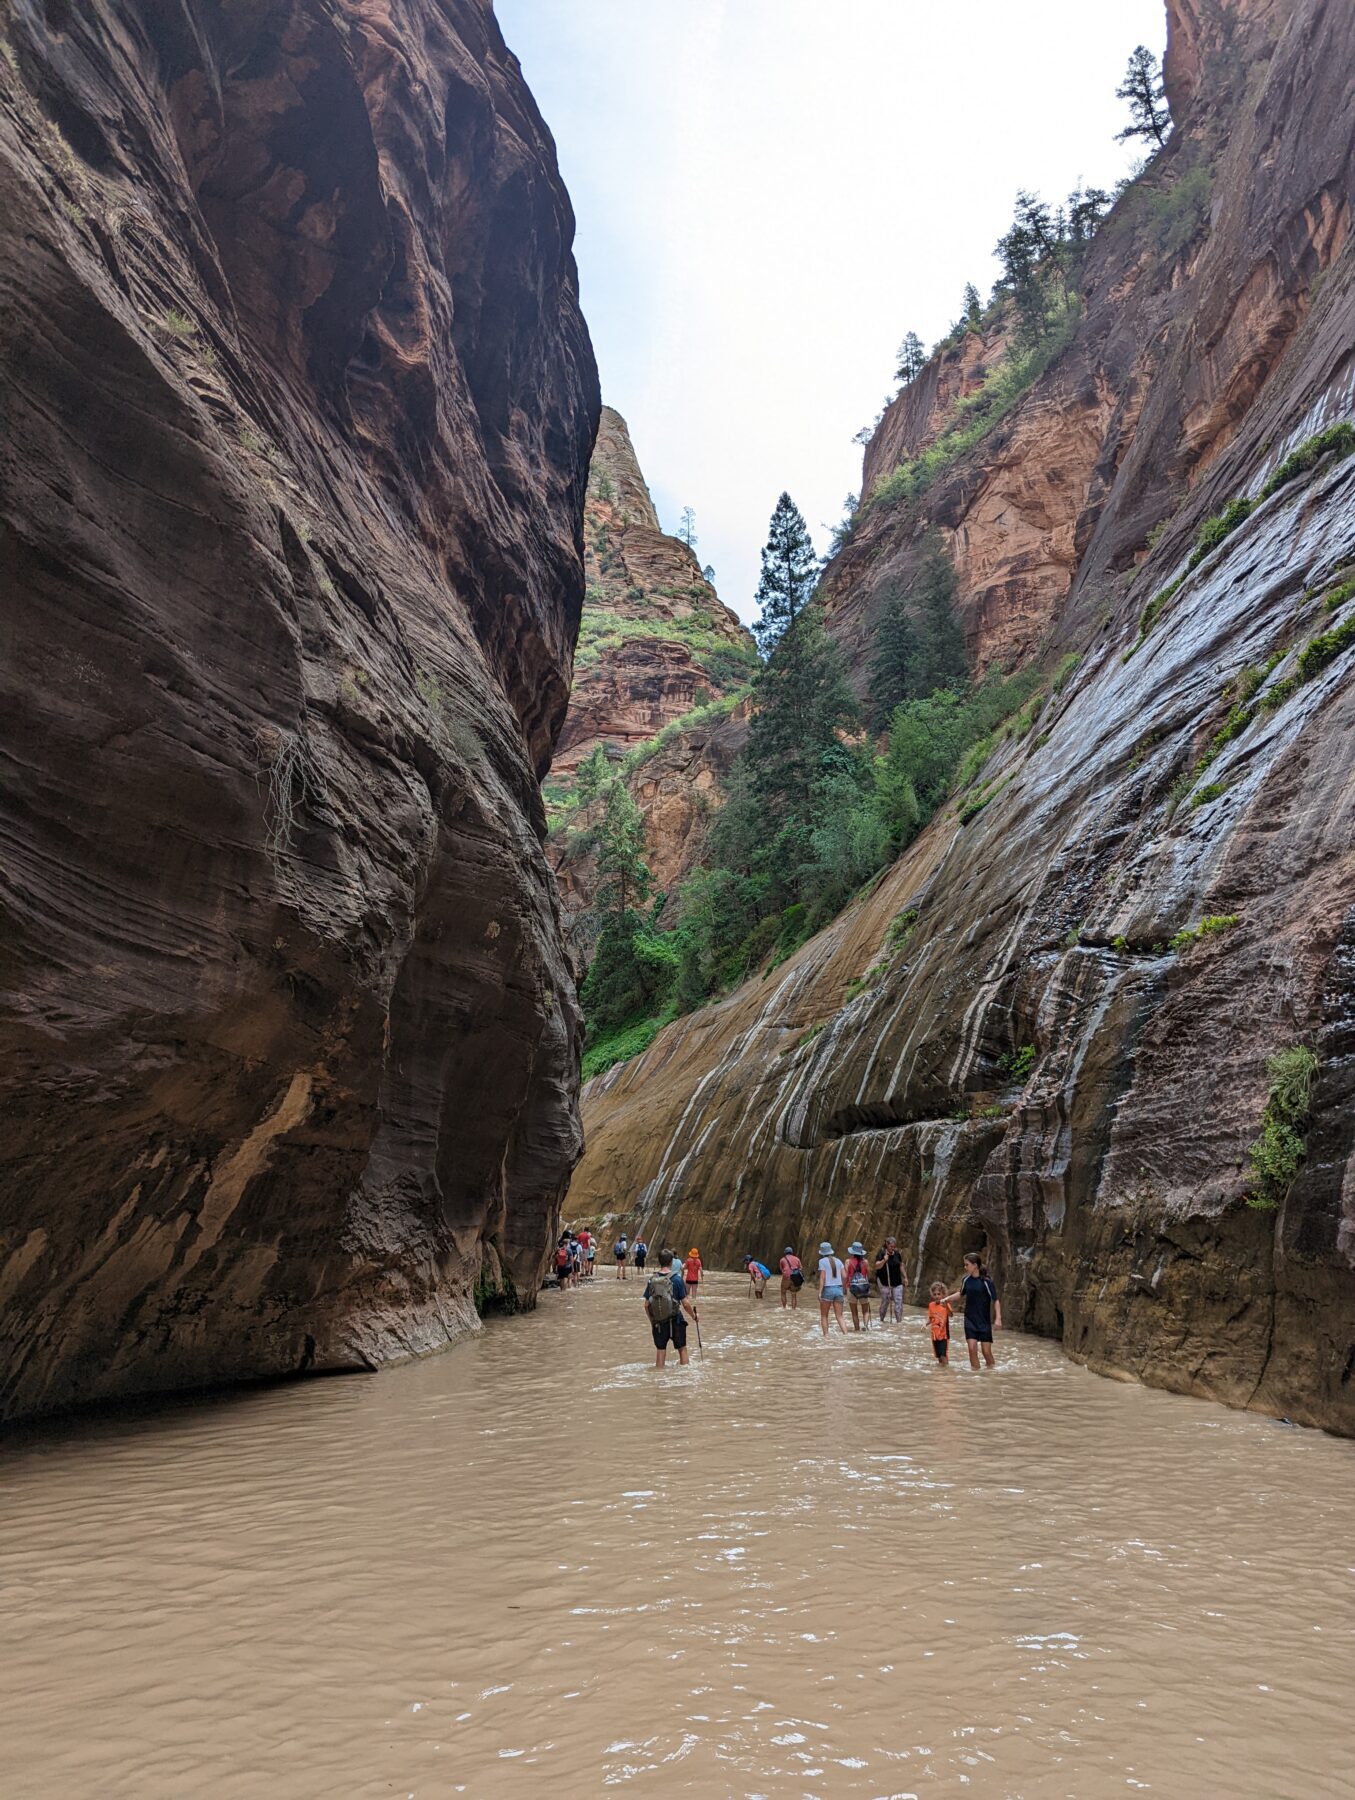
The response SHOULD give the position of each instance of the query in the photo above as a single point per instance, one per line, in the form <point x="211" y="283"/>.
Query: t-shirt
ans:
<point x="979" y="1296"/>
<point x="640" y="1247"/>
<point x="619" y="1247"/>
<point x="789" y="1264"/>
<point x="831" y="1270"/>
<point x="758" y="1269"/>
<point x="938" y="1317"/>
<point x="890" y="1272"/>
<point x="692" y="1269"/>
<point x="585" y="1238"/>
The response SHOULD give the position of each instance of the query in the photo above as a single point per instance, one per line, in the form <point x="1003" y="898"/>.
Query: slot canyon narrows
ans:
<point x="424" y="866"/>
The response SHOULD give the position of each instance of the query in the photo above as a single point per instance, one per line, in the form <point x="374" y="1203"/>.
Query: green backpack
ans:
<point x="662" y="1305"/>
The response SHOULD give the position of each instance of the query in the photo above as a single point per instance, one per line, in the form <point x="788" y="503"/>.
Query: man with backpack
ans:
<point x="666" y="1302"/>
<point x="562" y="1260"/>
<point x="792" y="1278"/>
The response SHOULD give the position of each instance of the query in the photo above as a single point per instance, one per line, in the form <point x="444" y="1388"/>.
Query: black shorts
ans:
<point x="639" y="1259"/>
<point x="670" y="1331"/>
<point x="940" y="1348"/>
<point x="979" y="1334"/>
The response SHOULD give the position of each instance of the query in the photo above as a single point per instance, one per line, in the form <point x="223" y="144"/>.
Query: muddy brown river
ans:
<point x="796" y="1568"/>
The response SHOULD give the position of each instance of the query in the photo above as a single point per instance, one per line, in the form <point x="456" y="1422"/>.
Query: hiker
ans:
<point x="757" y="1276"/>
<point x="858" y="1285"/>
<point x="575" y="1260"/>
<point x="592" y="1254"/>
<point x="792" y="1278"/>
<point x="562" y="1261"/>
<point x="640" y="1251"/>
<point x="893" y="1279"/>
<point x="982" y="1309"/>
<point x="832" y="1281"/>
<point x="620" y="1251"/>
<point x="691" y="1270"/>
<point x="586" y="1252"/>
<point x="666" y="1303"/>
<point x="938" y="1323"/>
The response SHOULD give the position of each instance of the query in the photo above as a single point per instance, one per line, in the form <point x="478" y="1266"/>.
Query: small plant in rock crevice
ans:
<point x="1275" y="1155"/>
<point x="1212" y="925"/>
<point x="1019" y="1063"/>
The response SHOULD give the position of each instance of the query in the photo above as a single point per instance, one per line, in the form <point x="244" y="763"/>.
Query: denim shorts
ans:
<point x="831" y="1291"/>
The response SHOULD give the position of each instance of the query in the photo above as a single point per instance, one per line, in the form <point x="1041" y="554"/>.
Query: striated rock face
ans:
<point x="297" y="413"/>
<point x="657" y="645"/>
<point x="1032" y="1066"/>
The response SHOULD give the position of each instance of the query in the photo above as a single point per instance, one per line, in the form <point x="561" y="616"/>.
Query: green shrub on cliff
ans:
<point x="1212" y="533"/>
<point x="1275" y="1155"/>
<point x="1212" y="925"/>
<point x="1339" y="438"/>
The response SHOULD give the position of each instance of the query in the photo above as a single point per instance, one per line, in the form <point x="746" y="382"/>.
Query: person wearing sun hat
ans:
<point x="832" y="1284"/>
<point x="858" y="1285"/>
<point x="792" y="1277"/>
<point x="691" y="1271"/>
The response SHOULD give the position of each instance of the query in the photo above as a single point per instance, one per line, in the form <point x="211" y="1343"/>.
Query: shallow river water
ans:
<point x="533" y="1566"/>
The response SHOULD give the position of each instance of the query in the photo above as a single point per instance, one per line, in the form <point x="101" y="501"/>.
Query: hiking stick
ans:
<point x="700" y="1346"/>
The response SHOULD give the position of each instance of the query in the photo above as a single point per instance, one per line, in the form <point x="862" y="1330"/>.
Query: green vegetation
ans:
<point x="919" y="641"/>
<point x="872" y="975"/>
<point x="1336" y="599"/>
<point x="1063" y="673"/>
<point x="1143" y="90"/>
<point x="970" y="808"/>
<point x="176" y="324"/>
<point x="1339" y="438"/>
<point x="1020" y="1062"/>
<point x="1210" y="791"/>
<point x="1212" y="925"/>
<point x="602" y="631"/>
<point x="974" y="415"/>
<point x="1319" y="651"/>
<point x="1282" y="1145"/>
<point x="1213" y="531"/>
<point x="1173" y="214"/>
<point x="623" y="1042"/>
<point x="1152" y="613"/>
<point x="901" y="929"/>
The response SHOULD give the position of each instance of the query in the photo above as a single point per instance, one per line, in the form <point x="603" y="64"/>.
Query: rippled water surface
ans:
<point x="533" y="1566"/>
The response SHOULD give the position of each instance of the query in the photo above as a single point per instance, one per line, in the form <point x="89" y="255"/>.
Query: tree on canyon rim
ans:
<point x="912" y="357"/>
<point x="1143" y="88"/>
<point x="790" y="574"/>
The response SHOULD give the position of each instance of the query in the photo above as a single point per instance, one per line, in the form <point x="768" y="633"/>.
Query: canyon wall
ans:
<point x="661" y="666"/>
<point x="297" y="413"/>
<point x="1019" y="1039"/>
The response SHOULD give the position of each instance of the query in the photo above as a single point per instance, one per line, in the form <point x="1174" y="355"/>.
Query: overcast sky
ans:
<point x="771" y="192"/>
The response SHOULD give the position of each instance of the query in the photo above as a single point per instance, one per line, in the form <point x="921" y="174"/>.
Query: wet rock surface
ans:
<point x="1029" y="1065"/>
<point x="297" y="414"/>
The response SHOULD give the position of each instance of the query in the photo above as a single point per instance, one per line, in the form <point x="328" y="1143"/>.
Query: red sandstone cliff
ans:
<point x="297" y="411"/>
<point x="1032" y="1064"/>
<point x="656" y="647"/>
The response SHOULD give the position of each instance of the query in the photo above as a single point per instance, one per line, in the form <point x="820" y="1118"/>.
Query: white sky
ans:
<point x="771" y="192"/>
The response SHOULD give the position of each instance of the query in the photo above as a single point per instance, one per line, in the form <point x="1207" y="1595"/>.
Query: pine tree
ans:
<point x="1143" y="88"/>
<point x="790" y="573"/>
<point x="624" y="883"/>
<point x="592" y="775"/>
<point x="686" y="530"/>
<point x="912" y="358"/>
<point x="894" y="664"/>
<point x="971" y="311"/>
<point x="802" y="703"/>
<point x="941" y="661"/>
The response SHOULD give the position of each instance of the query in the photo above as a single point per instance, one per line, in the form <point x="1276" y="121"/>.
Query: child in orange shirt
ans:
<point x="938" y="1318"/>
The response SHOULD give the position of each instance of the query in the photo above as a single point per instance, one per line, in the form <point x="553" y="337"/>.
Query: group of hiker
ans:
<point x="672" y="1286"/>
<point x="575" y="1255"/>
<point x="849" y="1282"/>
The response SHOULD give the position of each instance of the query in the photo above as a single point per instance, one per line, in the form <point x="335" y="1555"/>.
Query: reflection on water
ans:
<point x="534" y="1566"/>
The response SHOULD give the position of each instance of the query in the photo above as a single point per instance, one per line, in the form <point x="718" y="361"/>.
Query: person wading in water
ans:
<point x="792" y="1278"/>
<point x="982" y="1310"/>
<point x="832" y="1282"/>
<point x="640" y="1251"/>
<point x="666" y="1302"/>
<point x="893" y="1279"/>
<point x="620" y="1250"/>
<point x="692" y="1270"/>
<point x="858" y="1285"/>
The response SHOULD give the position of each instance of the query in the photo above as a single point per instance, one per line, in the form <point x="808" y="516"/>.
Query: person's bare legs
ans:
<point x="972" y="1345"/>
<point x="660" y="1357"/>
<point x="856" y="1316"/>
<point x="823" y="1317"/>
<point x="785" y="1289"/>
<point x="837" y="1314"/>
<point x="682" y="1356"/>
<point x="988" y="1356"/>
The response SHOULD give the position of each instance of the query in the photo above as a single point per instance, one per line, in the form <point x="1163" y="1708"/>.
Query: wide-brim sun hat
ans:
<point x="789" y="1250"/>
<point x="825" y="1248"/>
<point x="857" y="1249"/>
